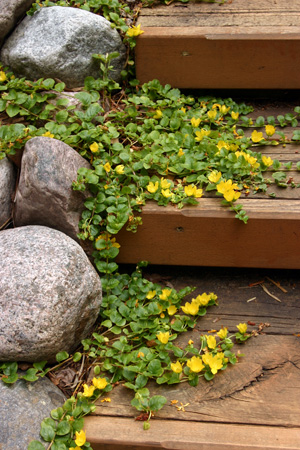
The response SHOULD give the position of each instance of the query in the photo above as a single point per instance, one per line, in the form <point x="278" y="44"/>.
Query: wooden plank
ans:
<point x="120" y="433"/>
<point x="185" y="45"/>
<point x="252" y="405"/>
<point x="209" y="235"/>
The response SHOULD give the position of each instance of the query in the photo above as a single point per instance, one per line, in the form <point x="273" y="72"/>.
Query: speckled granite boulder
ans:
<point x="7" y="187"/>
<point x="58" y="42"/>
<point x="50" y="294"/>
<point x="44" y="195"/>
<point x="23" y="406"/>
<point x="11" y="11"/>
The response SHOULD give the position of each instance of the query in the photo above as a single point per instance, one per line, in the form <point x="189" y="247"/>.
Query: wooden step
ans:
<point x="254" y="405"/>
<point x="209" y="234"/>
<point x="235" y="45"/>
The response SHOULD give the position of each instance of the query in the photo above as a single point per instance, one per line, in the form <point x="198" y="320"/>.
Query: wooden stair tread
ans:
<point x="234" y="45"/>
<point x="254" y="405"/>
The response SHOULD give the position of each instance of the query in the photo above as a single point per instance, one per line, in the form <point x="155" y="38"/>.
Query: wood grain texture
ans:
<point x="254" y="405"/>
<point x="122" y="433"/>
<point x="257" y="46"/>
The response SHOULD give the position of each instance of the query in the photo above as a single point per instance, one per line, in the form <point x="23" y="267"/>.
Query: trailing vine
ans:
<point x="144" y="143"/>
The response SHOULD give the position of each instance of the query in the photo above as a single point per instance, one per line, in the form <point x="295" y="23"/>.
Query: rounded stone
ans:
<point x="50" y="294"/>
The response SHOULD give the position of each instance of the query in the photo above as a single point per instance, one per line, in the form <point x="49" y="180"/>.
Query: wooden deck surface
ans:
<point x="254" y="405"/>
<point x="239" y="44"/>
<point x="209" y="235"/>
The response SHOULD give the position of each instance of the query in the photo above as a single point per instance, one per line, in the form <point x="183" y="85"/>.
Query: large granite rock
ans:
<point x="50" y="294"/>
<point x="11" y="12"/>
<point x="45" y="195"/>
<point x="23" y="406"/>
<point x="7" y="187"/>
<point x="58" y="42"/>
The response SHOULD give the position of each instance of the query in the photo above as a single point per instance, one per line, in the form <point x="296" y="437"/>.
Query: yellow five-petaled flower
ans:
<point x="195" y="364"/>
<point x="80" y="438"/>
<point x="163" y="337"/>
<point x="134" y="31"/>
<point x="242" y="327"/>
<point x="176" y="367"/>
<point x="99" y="383"/>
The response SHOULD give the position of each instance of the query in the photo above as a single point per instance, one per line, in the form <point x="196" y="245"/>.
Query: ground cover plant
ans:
<point x="144" y="143"/>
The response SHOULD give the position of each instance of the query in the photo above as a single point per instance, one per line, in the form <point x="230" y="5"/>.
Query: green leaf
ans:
<point x="77" y="356"/>
<point x="12" y="110"/>
<point x="40" y="365"/>
<point x="61" y="356"/>
<point x="47" y="432"/>
<point x="61" y="116"/>
<point x="57" y="413"/>
<point x="30" y="375"/>
<point x="48" y="83"/>
<point x="63" y="428"/>
<point x="85" y="98"/>
<point x="157" y="402"/>
<point x="141" y="381"/>
<point x="35" y="445"/>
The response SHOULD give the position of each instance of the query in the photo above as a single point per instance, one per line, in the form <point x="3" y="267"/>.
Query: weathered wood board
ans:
<point x="209" y="235"/>
<point x="252" y="405"/>
<point x="239" y="44"/>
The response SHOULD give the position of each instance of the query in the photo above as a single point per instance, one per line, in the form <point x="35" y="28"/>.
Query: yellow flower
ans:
<point x="242" y="327"/>
<point x="231" y="196"/>
<point x="152" y="187"/>
<point x="2" y="76"/>
<point x="180" y="153"/>
<point x="94" y="147"/>
<point x="222" y="333"/>
<point x="134" y="31"/>
<point x="212" y="114"/>
<point x="158" y="114"/>
<point x="201" y="134"/>
<point x="190" y="308"/>
<point x="48" y="134"/>
<point x="172" y="310"/>
<point x="183" y="110"/>
<point x="267" y="161"/>
<point x="163" y="337"/>
<point x="165" y="294"/>
<point x="150" y="295"/>
<point x="165" y="184"/>
<point x="99" y="383"/>
<point x="214" y="362"/>
<point x="176" y="367"/>
<point x="195" y="364"/>
<point x="256" y="136"/>
<point x="202" y="299"/>
<point x="120" y="169"/>
<point x="214" y="177"/>
<point x="107" y="167"/>
<point x="166" y="193"/>
<point x="235" y="115"/>
<point x="270" y="130"/>
<point x="80" y="438"/>
<point x="114" y="243"/>
<point x="106" y="399"/>
<point x="227" y="188"/>
<point x="88" y="390"/>
<point x="195" y="122"/>
<point x="140" y="354"/>
<point x="224" y="109"/>
<point x="190" y="342"/>
<point x="211" y="341"/>
<point x="222" y="144"/>
<point x="192" y="191"/>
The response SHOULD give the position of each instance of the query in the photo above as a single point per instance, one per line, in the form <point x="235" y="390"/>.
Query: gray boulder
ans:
<point x="50" y="294"/>
<point x="7" y="187"/>
<point x="10" y="13"/>
<point x="58" y="42"/>
<point x="22" y="408"/>
<point x="44" y="195"/>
